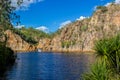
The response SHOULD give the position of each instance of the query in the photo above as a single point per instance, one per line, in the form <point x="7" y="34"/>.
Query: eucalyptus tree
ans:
<point x="7" y="12"/>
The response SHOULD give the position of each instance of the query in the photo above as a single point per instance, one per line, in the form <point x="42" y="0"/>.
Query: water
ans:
<point x="49" y="66"/>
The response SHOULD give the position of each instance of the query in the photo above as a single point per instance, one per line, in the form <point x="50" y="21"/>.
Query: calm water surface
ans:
<point x="49" y="66"/>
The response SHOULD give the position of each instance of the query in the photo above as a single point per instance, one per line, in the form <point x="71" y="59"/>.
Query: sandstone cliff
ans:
<point x="81" y="35"/>
<point x="16" y="43"/>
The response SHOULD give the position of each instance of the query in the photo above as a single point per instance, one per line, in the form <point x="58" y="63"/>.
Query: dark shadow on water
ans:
<point x="3" y="74"/>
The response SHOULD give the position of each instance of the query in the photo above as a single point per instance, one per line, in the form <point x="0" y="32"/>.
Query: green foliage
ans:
<point x="67" y="43"/>
<point x="7" y="14"/>
<point x="73" y="42"/>
<point x="98" y="71"/>
<point x="31" y="35"/>
<point x="109" y="51"/>
<point x="102" y="8"/>
<point x="7" y="57"/>
<point x="58" y="32"/>
<point x="84" y="28"/>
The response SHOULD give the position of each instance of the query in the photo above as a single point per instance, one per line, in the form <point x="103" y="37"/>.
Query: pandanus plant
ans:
<point x="108" y="60"/>
<point x="108" y="50"/>
<point x="98" y="71"/>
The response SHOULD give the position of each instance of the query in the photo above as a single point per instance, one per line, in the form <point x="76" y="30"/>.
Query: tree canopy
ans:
<point x="7" y="13"/>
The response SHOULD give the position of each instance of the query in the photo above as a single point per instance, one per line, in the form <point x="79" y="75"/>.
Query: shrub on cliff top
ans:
<point x="102" y="8"/>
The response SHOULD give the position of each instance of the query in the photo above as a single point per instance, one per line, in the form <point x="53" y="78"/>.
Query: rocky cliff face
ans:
<point x="44" y="44"/>
<point x="16" y="43"/>
<point x="81" y="35"/>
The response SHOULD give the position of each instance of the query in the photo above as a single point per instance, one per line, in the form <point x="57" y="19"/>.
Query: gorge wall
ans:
<point x="75" y="37"/>
<point x="82" y="35"/>
<point x="16" y="43"/>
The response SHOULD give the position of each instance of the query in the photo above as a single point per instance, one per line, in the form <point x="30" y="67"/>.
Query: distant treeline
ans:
<point x="31" y="35"/>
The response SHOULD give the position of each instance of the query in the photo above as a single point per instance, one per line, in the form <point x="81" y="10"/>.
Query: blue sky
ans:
<point x="51" y="14"/>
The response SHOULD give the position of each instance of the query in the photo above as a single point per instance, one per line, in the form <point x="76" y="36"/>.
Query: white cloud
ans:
<point x="95" y="8"/>
<point x="25" y="4"/>
<point x="117" y="1"/>
<point x="63" y="24"/>
<point x="43" y="28"/>
<point x="81" y="18"/>
<point x="108" y="4"/>
<point x="19" y="26"/>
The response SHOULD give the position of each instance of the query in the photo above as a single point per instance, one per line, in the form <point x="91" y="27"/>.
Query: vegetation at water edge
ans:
<point x="108" y="60"/>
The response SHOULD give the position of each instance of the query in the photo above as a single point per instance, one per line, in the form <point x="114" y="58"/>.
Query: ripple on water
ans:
<point x="50" y="66"/>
